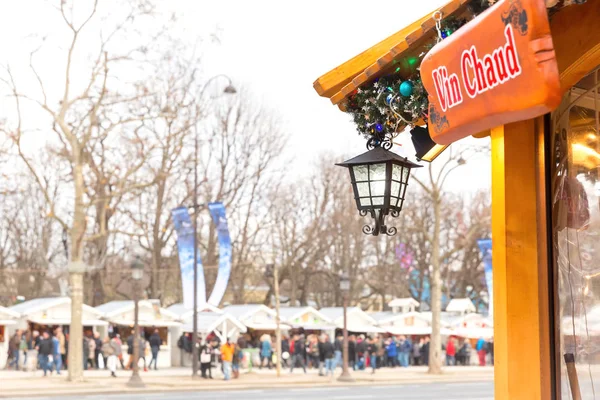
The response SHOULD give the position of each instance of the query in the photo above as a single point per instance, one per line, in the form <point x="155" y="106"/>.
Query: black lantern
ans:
<point x="379" y="179"/>
<point x="426" y="149"/>
<point x="344" y="283"/>
<point x="137" y="269"/>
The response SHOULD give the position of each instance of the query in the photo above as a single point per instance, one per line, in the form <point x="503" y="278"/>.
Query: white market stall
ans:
<point x="121" y="315"/>
<point x="257" y="317"/>
<point x="408" y="324"/>
<point x="358" y="320"/>
<point x="404" y="305"/>
<point x="307" y="318"/>
<point x="50" y="312"/>
<point x="8" y="319"/>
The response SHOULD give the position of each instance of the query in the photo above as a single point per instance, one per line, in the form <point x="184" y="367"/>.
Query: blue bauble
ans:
<point x="444" y="34"/>
<point x="406" y="88"/>
<point x="389" y="98"/>
<point x="379" y="127"/>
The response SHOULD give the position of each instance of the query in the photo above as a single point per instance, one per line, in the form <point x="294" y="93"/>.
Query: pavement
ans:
<point x="446" y="391"/>
<point x="179" y="384"/>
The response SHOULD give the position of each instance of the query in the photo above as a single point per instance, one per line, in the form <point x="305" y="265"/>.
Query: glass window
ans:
<point x="576" y="233"/>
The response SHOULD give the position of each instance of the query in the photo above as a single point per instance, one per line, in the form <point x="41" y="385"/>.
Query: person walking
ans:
<point x="45" y="349"/>
<point x="352" y="352"/>
<point x="321" y="346"/>
<point x="91" y="352"/>
<point x="155" y="342"/>
<point x="97" y="349"/>
<point x="285" y="352"/>
<point x="62" y="345"/>
<point x="227" y="351"/>
<point x="118" y="346"/>
<point x="425" y="351"/>
<point x="450" y="352"/>
<point x="329" y="356"/>
<point x="85" y="352"/>
<point x="238" y="355"/>
<point x="392" y="353"/>
<point x="299" y="353"/>
<point x="109" y="353"/>
<point x="206" y="360"/>
<point x="372" y="350"/>
<point x="265" y="351"/>
<point x="480" y="347"/>
<point x="56" y="358"/>
<point x="416" y="352"/>
<point x="337" y="347"/>
<point x="404" y="351"/>
<point x="13" y="350"/>
<point x="361" y="353"/>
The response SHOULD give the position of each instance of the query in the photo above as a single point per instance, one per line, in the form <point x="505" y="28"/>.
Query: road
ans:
<point x="445" y="391"/>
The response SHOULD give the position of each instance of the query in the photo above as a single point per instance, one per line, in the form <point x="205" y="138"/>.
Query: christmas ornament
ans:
<point x="379" y="127"/>
<point x="389" y="99"/>
<point x="406" y="88"/>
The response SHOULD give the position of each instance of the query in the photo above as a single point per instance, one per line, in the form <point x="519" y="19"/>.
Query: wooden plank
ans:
<point x="521" y="323"/>
<point x="333" y="81"/>
<point x="576" y="45"/>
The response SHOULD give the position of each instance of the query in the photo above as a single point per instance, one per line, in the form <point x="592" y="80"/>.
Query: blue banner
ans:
<point x="485" y="245"/>
<point x="185" y="247"/>
<point x="217" y="212"/>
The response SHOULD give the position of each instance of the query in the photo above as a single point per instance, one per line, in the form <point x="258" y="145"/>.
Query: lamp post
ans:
<point x="229" y="89"/>
<point x="137" y="273"/>
<point x="379" y="179"/>
<point x="345" y="289"/>
<point x="271" y="271"/>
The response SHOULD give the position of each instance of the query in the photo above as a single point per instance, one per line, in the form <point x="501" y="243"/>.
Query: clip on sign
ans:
<point x="506" y="72"/>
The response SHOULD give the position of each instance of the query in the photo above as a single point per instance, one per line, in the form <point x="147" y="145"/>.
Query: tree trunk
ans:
<point x="435" y="349"/>
<point x="76" y="272"/>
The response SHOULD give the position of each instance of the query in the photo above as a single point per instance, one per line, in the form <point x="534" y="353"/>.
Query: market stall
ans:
<point x="358" y="321"/>
<point x="307" y="319"/>
<point x="258" y="318"/>
<point x="52" y="312"/>
<point x="524" y="73"/>
<point x="8" y="319"/>
<point x="120" y="316"/>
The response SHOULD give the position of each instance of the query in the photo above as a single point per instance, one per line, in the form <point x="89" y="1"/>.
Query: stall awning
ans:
<point x="58" y="321"/>
<point x="158" y="323"/>
<point x="414" y="330"/>
<point x="474" y="333"/>
<point x="267" y="327"/>
<point x="7" y="322"/>
<point x="363" y="328"/>
<point x="315" y="327"/>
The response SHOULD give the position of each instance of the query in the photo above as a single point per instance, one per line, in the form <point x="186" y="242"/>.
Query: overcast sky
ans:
<point x="277" y="49"/>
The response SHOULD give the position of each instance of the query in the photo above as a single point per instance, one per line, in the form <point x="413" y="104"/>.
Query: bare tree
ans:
<point x="87" y="118"/>
<point x="442" y="244"/>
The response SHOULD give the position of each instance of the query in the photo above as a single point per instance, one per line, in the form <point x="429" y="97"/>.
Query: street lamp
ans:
<point x="229" y="89"/>
<point x="426" y="149"/>
<point x="379" y="179"/>
<point x="345" y="289"/>
<point x="137" y="273"/>
<point x="272" y="272"/>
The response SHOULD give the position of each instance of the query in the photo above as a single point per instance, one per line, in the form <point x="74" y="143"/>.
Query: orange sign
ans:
<point x="498" y="68"/>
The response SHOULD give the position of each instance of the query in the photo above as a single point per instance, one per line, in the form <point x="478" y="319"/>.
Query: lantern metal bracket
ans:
<point x="381" y="139"/>
<point x="380" y="227"/>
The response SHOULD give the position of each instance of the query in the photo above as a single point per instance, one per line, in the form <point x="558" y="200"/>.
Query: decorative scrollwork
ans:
<point x="379" y="218"/>
<point x="383" y="140"/>
<point x="391" y="231"/>
<point x="368" y="230"/>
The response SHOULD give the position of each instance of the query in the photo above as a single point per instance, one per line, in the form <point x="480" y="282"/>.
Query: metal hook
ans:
<point x="437" y="17"/>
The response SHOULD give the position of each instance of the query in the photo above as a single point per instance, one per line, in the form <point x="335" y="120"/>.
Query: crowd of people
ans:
<point x="50" y="351"/>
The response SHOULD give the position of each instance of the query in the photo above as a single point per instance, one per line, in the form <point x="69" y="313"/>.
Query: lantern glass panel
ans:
<point x="377" y="188"/>
<point x="363" y="189"/>
<point x="365" y="202"/>
<point x="397" y="172"/>
<point x="361" y="173"/>
<point x="377" y="172"/>
<point x="405" y="173"/>
<point x="377" y="201"/>
<point x="395" y="191"/>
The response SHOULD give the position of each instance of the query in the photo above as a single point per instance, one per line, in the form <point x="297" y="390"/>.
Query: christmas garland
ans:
<point x="386" y="106"/>
<point x="390" y="103"/>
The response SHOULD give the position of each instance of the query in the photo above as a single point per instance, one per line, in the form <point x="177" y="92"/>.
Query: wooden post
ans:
<point x="521" y="301"/>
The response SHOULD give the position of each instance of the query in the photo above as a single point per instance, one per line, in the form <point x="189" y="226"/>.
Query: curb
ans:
<point x="153" y="388"/>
